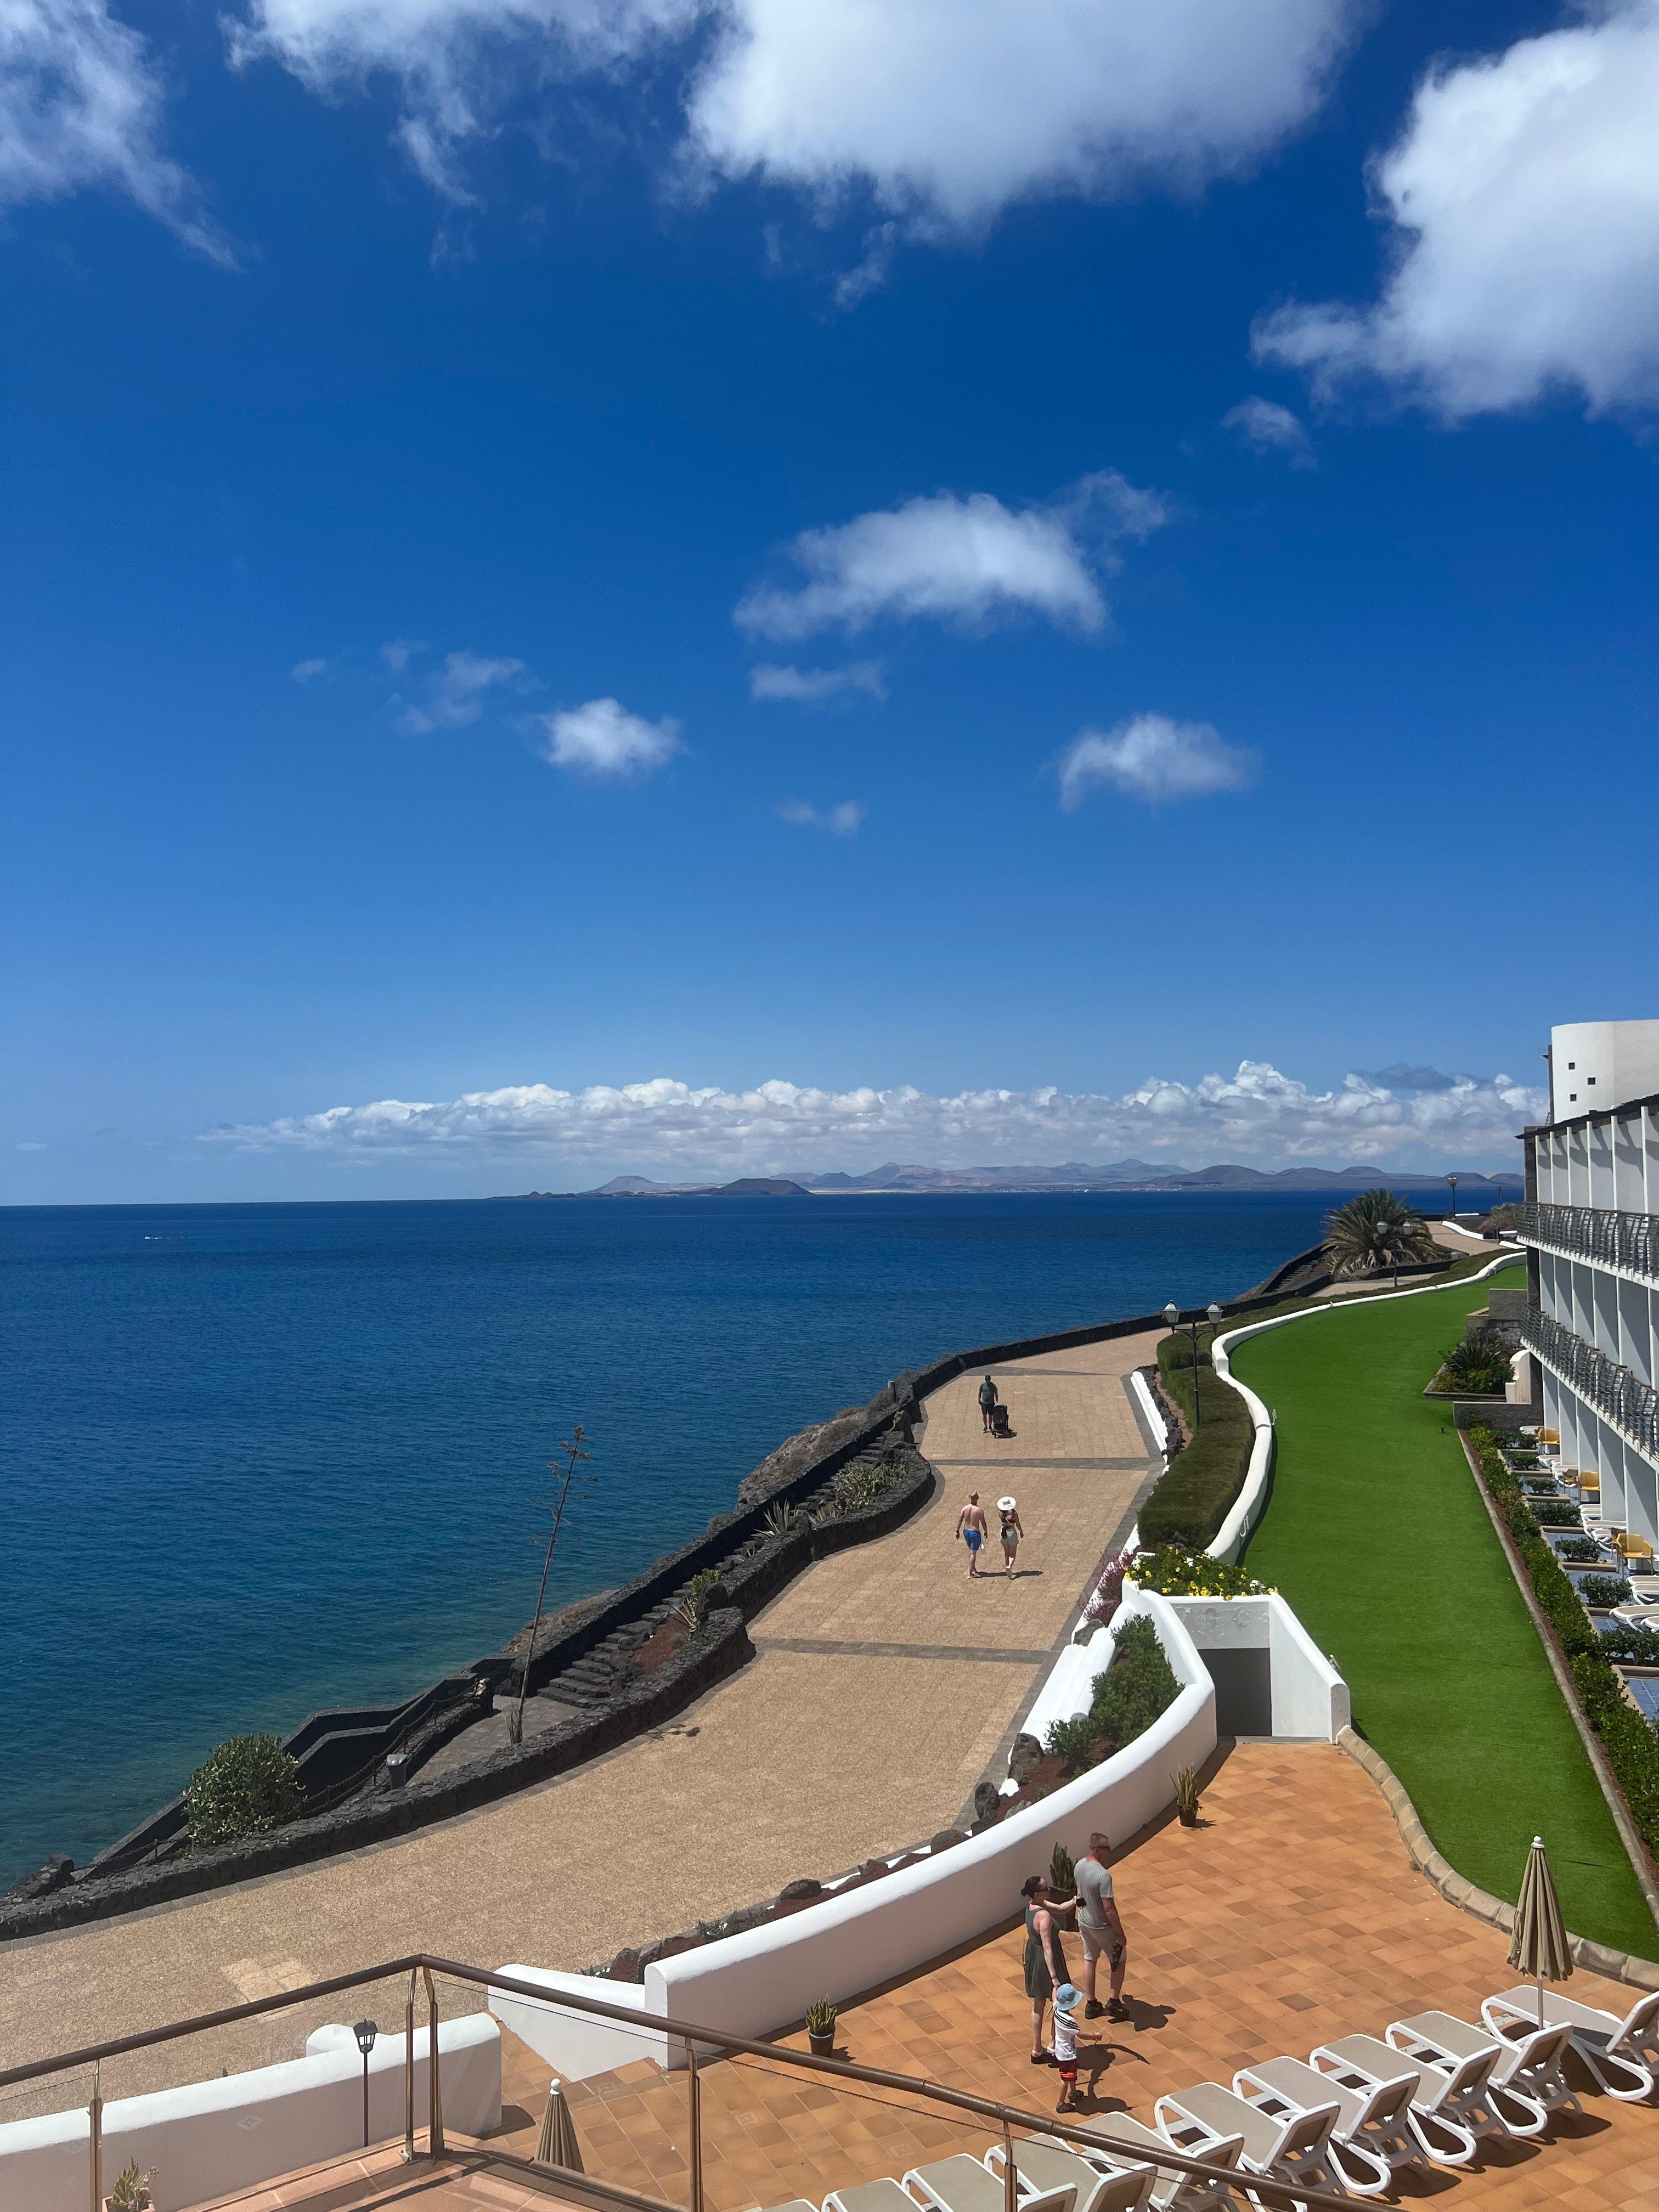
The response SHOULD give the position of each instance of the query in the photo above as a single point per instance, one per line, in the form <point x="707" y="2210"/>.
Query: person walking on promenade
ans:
<point x="970" y="1526"/>
<point x="1100" y="1925"/>
<point x="987" y="1398"/>
<point x="1012" y="1530"/>
<point x="1045" y="1962"/>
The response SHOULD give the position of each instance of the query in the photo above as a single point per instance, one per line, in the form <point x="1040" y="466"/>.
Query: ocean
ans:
<point x="256" y="1459"/>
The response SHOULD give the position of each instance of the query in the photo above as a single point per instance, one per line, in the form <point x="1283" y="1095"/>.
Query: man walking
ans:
<point x="1101" y="1928"/>
<point x="987" y="1399"/>
<point x="971" y="1527"/>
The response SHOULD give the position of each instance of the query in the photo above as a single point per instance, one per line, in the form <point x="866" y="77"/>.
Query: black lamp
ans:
<point x="366" y="2031"/>
<point x="1172" y="1315"/>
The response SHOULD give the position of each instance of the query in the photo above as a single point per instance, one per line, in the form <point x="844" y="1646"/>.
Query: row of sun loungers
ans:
<point x="1348" y="2119"/>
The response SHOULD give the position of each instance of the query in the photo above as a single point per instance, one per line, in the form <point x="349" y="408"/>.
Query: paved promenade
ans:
<point x="886" y="1682"/>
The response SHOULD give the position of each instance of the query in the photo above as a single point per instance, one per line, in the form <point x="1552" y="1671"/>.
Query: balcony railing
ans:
<point x="1621" y="1397"/>
<point x="1629" y="1240"/>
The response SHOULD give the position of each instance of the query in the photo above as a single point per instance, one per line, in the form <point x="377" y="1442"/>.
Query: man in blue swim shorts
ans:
<point x="970" y="1526"/>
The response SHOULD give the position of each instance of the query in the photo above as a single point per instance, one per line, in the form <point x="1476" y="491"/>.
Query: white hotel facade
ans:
<point x="1591" y="1224"/>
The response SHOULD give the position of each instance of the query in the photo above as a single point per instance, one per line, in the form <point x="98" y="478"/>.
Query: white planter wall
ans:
<point x="211" y="2137"/>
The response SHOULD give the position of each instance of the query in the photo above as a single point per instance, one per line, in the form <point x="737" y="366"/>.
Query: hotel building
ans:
<point x="1591" y="1224"/>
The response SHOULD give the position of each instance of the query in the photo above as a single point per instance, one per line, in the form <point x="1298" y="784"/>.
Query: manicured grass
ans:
<point x="1377" y="1534"/>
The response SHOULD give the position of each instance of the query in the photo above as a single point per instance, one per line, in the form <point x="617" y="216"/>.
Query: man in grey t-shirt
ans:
<point x="1101" y="1928"/>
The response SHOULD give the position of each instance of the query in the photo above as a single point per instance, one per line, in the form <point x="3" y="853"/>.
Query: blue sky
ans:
<point x="1214" y="461"/>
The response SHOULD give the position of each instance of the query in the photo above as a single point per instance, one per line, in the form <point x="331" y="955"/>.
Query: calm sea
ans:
<point x="261" y="1459"/>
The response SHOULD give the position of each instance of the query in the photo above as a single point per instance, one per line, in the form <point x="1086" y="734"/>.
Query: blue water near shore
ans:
<point x="261" y="1459"/>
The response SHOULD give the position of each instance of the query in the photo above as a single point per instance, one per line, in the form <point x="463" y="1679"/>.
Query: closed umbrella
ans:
<point x="1540" y="1947"/>
<point x="556" y="2144"/>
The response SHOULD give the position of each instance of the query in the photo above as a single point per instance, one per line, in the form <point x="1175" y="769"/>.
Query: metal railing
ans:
<point x="421" y="1966"/>
<point x="1621" y="1397"/>
<point x="1595" y="1233"/>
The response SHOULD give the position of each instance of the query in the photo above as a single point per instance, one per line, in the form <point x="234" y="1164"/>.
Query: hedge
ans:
<point x="1629" y="1739"/>
<point x="1135" y="1689"/>
<point x="1196" y="1493"/>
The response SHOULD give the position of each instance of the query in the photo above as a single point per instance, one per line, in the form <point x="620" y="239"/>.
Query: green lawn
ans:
<point x="1377" y="1536"/>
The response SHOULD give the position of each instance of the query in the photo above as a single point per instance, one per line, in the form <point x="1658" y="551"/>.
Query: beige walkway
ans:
<point x="885" y="1682"/>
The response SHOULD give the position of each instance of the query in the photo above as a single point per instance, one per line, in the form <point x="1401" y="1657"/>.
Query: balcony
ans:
<point x="1622" y="1399"/>
<point x="1629" y="1241"/>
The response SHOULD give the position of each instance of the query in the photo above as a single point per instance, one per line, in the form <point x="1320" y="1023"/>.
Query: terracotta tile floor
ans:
<point x="1293" y="1915"/>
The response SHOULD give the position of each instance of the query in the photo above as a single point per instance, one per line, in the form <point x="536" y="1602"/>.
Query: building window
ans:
<point x="1572" y="1098"/>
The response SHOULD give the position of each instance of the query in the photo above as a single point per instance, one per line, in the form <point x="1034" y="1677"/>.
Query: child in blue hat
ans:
<point x="1067" y="2001"/>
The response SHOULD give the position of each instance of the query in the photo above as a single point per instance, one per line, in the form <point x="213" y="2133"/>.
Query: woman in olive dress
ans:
<point x="1046" y="1970"/>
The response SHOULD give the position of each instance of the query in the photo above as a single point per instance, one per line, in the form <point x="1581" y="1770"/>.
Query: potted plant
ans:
<point x="131" y="2190"/>
<point x="1186" y="1797"/>
<point x="821" y="2028"/>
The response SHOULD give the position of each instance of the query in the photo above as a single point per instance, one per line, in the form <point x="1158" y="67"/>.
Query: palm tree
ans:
<point x="1375" y="1231"/>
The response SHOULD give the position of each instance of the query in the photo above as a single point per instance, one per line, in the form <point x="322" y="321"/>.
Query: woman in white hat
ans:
<point x="1012" y="1530"/>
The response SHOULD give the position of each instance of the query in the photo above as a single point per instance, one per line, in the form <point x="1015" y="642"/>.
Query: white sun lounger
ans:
<point x="1172" y="2191"/>
<point x="1041" y="2165"/>
<point x="1371" y="2128"/>
<point x="1623" y="2055"/>
<point x="1295" y="2150"/>
<point x="884" y="2195"/>
<point x="1526" y="2080"/>
<point x="1446" y="2101"/>
<point x="963" y="2184"/>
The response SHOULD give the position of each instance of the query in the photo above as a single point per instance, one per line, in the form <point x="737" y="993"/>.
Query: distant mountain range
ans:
<point x="1072" y="1175"/>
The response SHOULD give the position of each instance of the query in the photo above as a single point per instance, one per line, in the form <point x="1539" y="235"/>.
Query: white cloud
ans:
<point x="303" y="671"/>
<point x="1152" y="758"/>
<point x="1266" y="427"/>
<point x="455" y="696"/>
<point x="81" y="102"/>
<point x="945" y="111"/>
<point x="964" y="560"/>
<point x="949" y="110"/>
<point x="401" y="651"/>
<point x="33" y="1148"/>
<point x="603" y="740"/>
<point x="809" y="685"/>
<point x="1257" y="1116"/>
<point x="843" y="821"/>
<point x="1525" y="198"/>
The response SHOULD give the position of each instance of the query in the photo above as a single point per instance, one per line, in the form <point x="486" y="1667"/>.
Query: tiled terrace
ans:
<point x="1290" y="1916"/>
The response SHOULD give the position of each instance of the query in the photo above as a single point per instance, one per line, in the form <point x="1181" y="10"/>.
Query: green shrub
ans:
<point x="1480" y="1362"/>
<point x="245" y="1787"/>
<point x="1135" y="1689"/>
<point x="1578" y="1548"/>
<point x="1632" y="1744"/>
<point x="857" y="1486"/>
<point x="1555" y="1513"/>
<point x="1601" y="1591"/>
<point x="1197" y="1492"/>
<point x="1173" y="1572"/>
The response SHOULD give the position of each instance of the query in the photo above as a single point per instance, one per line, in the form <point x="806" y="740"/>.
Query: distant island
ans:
<point x="1071" y="1175"/>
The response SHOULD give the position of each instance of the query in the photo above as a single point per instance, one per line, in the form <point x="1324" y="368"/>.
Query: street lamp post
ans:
<point x="1453" y="1180"/>
<point x="366" y="2031"/>
<point x="1172" y="1315"/>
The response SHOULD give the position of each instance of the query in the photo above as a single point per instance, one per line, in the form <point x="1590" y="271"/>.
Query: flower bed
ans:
<point x="1173" y="1573"/>
<point x="1629" y="1739"/>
